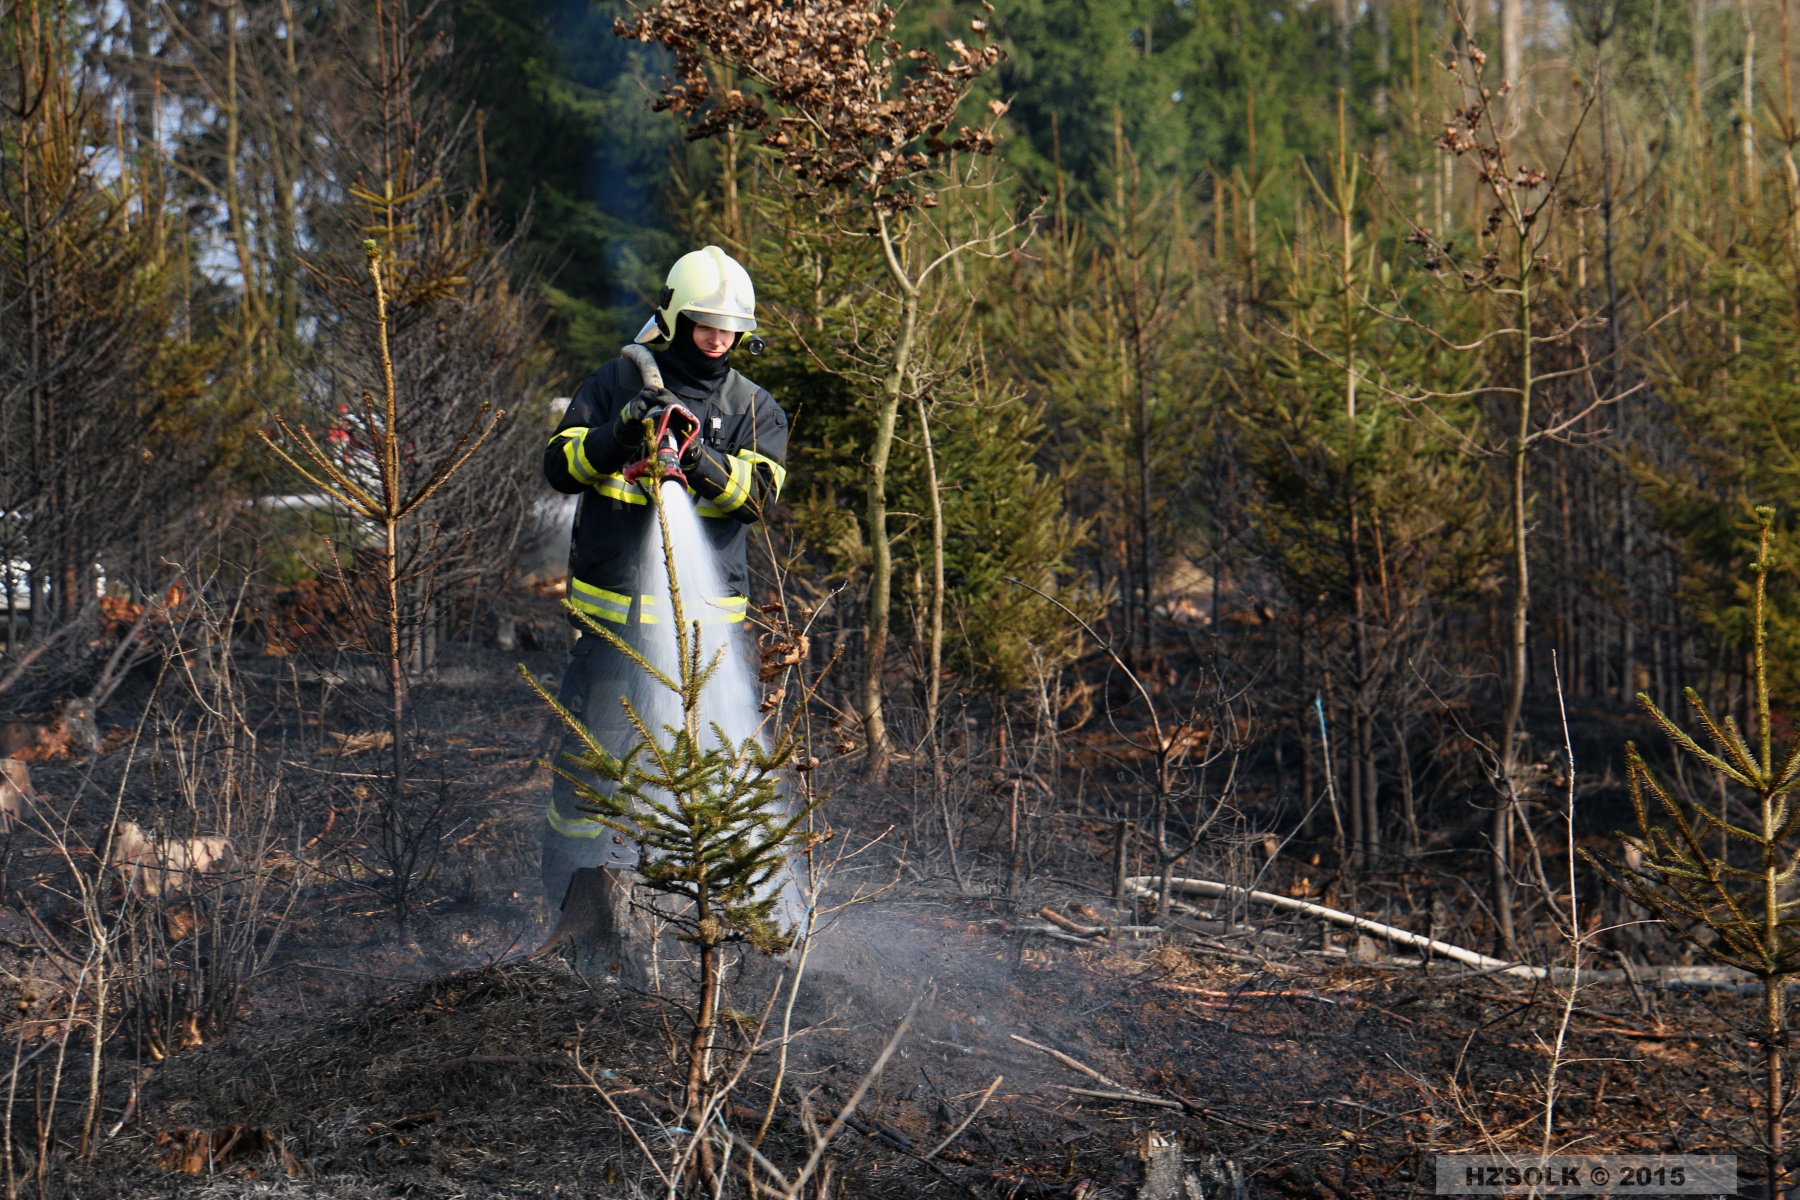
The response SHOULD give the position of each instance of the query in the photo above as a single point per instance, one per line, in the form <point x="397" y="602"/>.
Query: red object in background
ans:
<point x="119" y="614"/>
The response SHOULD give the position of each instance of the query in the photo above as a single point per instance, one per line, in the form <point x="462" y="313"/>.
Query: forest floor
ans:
<point x="1308" y="1078"/>
<point x="448" y="1061"/>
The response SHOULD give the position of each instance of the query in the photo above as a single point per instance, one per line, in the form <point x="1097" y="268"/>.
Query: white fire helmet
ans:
<point x="712" y="288"/>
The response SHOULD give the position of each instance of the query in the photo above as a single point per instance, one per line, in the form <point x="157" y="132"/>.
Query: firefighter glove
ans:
<point x="629" y="430"/>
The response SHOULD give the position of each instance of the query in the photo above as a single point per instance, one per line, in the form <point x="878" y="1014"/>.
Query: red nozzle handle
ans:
<point x="677" y="441"/>
<point x="670" y="445"/>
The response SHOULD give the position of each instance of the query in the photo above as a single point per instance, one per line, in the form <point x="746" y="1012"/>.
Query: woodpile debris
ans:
<point x="170" y="866"/>
<point x="66" y="731"/>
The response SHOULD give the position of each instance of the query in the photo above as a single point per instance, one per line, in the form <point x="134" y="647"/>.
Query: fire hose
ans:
<point x="671" y="431"/>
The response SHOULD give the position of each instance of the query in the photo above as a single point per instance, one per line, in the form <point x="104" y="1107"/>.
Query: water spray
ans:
<point x="729" y="708"/>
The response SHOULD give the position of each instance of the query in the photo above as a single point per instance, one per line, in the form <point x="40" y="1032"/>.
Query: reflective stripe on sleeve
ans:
<point x="615" y="487"/>
<point x="777" y="472"/>
<point x="580" y="470"/>
<point x="737" y="487"/>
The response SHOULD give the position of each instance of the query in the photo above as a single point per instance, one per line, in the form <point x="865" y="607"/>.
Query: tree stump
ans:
<point x="1164" y="1167"/>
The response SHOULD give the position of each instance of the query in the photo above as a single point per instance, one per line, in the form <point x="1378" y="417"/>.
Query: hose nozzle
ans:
<point x="672" y="431"/>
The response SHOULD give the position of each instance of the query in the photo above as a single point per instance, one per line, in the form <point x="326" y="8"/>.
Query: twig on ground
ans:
<point x="1055" y="918"/>
<point x="957" y="1132"/>
<point x="625" y="1122"/>
<point x="1125" y="1097"/>
<point x="1073" y="1064"/>
<point x="1174" y="1103"/>
<point x="1231" y="998"/>
<point x="823" y="1141"/>
<point x="1696" y="977"/>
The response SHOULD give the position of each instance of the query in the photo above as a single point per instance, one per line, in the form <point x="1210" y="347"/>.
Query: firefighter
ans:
<point x="734" y="472"/>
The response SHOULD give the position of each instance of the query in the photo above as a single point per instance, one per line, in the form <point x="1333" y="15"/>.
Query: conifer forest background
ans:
<point x="1294" y="444"/>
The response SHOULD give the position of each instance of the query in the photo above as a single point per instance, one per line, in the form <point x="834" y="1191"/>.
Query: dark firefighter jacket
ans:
<point x="743" y="435"/>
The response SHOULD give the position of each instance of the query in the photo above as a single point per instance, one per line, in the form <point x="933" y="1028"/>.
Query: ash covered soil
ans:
<point x="1307" y="1082"/>
<point x="1303" y="1079"/>
<point x="451" y="1062"/>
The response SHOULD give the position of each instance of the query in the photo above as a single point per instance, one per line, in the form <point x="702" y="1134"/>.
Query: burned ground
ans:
<point x="1315" y="1078"/>
<point x="445" y="1060"/>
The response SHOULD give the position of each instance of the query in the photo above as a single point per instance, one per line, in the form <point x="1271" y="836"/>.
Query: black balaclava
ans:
<point x="686" y="365"/>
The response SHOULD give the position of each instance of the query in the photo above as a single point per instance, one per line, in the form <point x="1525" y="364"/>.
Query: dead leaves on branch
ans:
<point x="842" y="103"/>
<point x="779" y="651"/>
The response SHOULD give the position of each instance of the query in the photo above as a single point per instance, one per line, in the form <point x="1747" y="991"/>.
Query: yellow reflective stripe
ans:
<point x="598" y="602"/>
<point x="616" y="487"/>
<point x="576" y="827"/>
<point x="737" y="487"/>
<point x="776" y="471"/>
<point x="580" y="469"/>
<point x="726" y="610"/>
<point x="731" y="610"/>
<point x="611" y="606"/>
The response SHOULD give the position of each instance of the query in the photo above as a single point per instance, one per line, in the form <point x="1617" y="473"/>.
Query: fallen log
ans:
<point x="1055" y="918"/>
<point x="1695" y="977"/>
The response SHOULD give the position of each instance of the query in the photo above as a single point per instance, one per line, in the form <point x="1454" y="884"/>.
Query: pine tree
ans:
<point x="1737" y="898"/>
<point x="1367" y="510"/>
<point x="711" y="816"/>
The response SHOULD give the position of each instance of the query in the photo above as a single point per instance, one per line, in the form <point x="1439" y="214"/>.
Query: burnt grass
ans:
<point x="447" y="1060"/>
<point x="467" y="1085"/>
